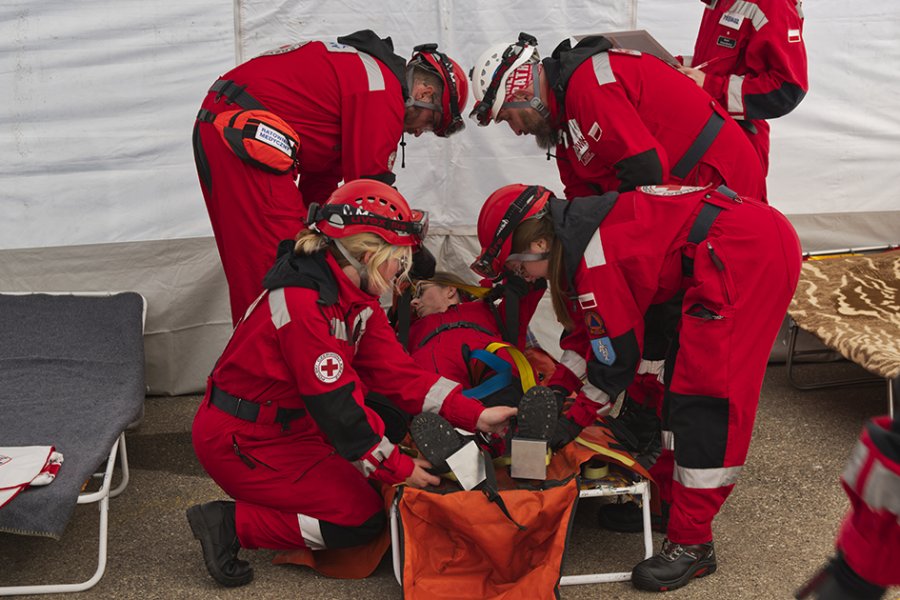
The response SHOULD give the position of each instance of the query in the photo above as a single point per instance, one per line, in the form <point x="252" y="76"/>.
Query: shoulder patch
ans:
<point x="669" y="189"/>
<point x="627" y="51"/>
<point x="337" y="47"/>
<point x="329" y="367"/>
<point x="284" y="49"/>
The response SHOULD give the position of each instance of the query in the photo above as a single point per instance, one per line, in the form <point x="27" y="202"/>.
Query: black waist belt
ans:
<point x="248" y="410"/>
<point x="235" y="94"/>
<point x="699" y="146"/>
<point x="699" y="230"/>
<point x="456" y="325"/>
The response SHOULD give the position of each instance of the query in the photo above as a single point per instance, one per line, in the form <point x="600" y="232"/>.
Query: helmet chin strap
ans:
<point x="535" y="101"/>
<point x="360" y="268"/>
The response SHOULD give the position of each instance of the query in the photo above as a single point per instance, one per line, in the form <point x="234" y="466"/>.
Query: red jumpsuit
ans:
<point x="870" y="534"/>
<point x="628" y="119"/>
<point x="756" y="62"/>
<point x="315" y="344"/>
<point x="347" y="107"/>
<point x="631" y="251"/>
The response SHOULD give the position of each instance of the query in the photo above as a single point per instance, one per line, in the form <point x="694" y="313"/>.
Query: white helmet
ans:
<point x="490" y="74"/>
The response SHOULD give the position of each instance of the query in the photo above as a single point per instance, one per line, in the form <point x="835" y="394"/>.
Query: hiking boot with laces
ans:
<point x="674" y="566"/>
<point x="213" y="524"/>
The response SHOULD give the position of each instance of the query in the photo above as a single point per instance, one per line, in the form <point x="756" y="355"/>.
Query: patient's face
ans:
<point x="433" y="298"/>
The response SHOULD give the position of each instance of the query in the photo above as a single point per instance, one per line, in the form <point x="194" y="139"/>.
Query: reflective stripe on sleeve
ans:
<point x="574" y="362"/>
<point x="383" y="450"/>
<point x="339" y="329"/>
<point x="736" y="96"/>
<point x="653" y="367"/>
<point x="706" y="479"/>
<point x="278" y="308"/>
<point x="598" y="396"/>
<point x="602" y="69"/>
<point x="311" y="532"/>
<point x="752" y="11"/>
<point x="668" y="440"/>
<point x="435" y="397"/>
<point x="373" y="72"/>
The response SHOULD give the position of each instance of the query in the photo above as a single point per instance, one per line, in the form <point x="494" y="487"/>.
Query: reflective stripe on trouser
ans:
<point x="250" y="211"/>
<point x="745" y="273"/>
<point x="291" y="488"/>
<point x="870" y="534"/>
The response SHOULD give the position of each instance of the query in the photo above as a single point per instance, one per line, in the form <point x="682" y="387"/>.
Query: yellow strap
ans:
<point x="623" y="458"/>
<point x="526" y="373"/>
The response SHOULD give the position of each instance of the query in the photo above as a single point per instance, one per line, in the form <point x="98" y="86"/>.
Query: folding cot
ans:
<point x="71" y="377"/>
<point x="851" y="303"/>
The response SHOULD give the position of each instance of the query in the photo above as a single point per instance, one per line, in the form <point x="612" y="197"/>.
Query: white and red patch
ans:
<point x="329" y="367"/>
<point x="669" y="190"/>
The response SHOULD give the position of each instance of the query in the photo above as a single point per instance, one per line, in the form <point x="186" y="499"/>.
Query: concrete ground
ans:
<point x="776" y="528"/>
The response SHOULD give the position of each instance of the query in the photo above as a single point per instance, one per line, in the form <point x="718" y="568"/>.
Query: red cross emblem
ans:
<point x="329" y="367"/>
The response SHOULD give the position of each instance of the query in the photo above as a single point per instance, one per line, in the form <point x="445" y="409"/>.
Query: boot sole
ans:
<point x="200" y="529"/>
<point x="538" y="414"/>
<point x="436" y="440"/>
<point x="651" y="584"/>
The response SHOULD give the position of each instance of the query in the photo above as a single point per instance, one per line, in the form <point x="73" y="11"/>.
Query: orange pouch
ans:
<point x="258" y="137"/>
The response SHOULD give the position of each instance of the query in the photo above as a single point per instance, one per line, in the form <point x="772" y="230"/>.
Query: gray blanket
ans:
<point x="71" y="376"/>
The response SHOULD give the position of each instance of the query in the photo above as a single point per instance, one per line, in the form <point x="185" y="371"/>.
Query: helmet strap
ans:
<point x="360" y="267"/>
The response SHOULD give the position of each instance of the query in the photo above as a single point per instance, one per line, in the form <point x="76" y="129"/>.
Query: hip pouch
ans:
<point x="258" y="137"/>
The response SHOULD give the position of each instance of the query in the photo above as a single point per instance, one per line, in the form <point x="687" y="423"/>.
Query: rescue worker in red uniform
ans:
<point x="618" y="118"/>
<point x="606" y="260"/>
<point x="750" y="57"/>
<point x="348" y="103"/>
<point x="285" y="427"/>
<point x="868" y="543"/>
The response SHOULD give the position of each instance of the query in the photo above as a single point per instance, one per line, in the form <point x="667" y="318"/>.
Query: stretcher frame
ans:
<point x="640" y="488"/>
<point x="100" y="496"/>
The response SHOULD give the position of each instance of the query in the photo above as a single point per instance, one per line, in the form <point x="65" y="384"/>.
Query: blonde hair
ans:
<point x="532" y="230"/>
<point x="358" y="245"/>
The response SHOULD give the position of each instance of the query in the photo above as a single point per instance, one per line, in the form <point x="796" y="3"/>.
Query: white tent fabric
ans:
<point x="99" y="97"/>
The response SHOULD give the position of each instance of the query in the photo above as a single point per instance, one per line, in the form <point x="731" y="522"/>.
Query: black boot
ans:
<point x="837" y="581"/>
<point x="213" y="524"/>
<point x="674" y="566"/>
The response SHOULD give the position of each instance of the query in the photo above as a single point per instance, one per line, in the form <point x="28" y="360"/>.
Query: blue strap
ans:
<point x="496" y="383"/>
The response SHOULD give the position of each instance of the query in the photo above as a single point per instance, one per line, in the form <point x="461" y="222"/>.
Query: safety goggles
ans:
<point x="515" y="214"/>
<point x="482" y="111"/>
<point x="456" y="123"/>
<point x="341" y="215"/>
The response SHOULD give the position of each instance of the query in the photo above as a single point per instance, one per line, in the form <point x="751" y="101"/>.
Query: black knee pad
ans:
<point x="344" y="536"/>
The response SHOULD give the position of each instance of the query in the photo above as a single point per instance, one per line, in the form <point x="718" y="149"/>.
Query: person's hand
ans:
<point x="566" y="431"/>
<point x="495" y="419"/>
<point x="420" y="477"/>
<point x="697" y="75"/>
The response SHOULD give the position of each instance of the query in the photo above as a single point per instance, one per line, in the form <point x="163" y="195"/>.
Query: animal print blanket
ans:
<point x="853" y="305"/>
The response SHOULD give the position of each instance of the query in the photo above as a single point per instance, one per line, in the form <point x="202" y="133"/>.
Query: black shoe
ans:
<point x="538" y="413"/>
<point x="213" y="524"/>
<point x="837" y="581"/>
<point x="674" y="566"/>
<point x="436" y="439"/>
<point x="628" y="517"/>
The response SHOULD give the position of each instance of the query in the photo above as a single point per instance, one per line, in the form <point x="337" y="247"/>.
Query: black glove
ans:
<point x="566" y="431"/>
<point x="423" y="264"/>
<point x="639" y="430"/>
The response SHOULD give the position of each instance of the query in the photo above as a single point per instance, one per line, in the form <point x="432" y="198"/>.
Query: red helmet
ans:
<point x="501" y="214"/>
<point x="456" y="87"/>
<point x="369" y="206"/>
